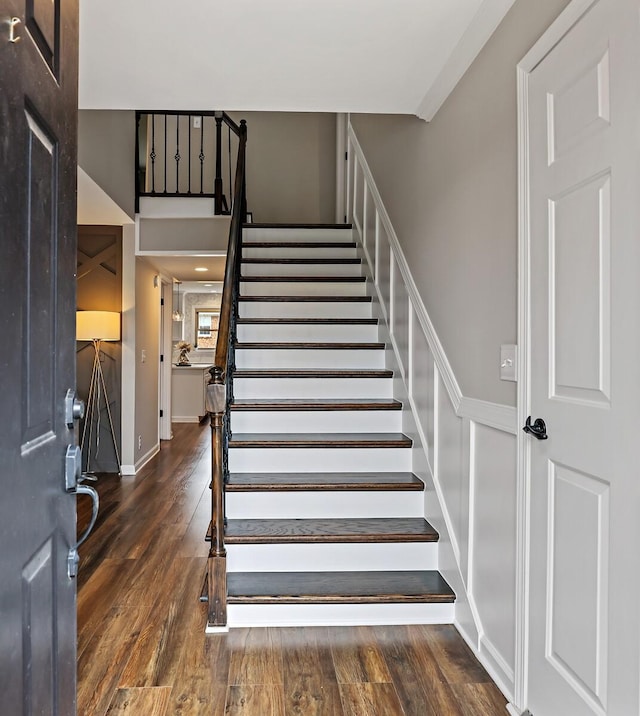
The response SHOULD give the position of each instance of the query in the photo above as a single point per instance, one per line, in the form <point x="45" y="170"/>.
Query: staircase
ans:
<point x="324" y="516"/>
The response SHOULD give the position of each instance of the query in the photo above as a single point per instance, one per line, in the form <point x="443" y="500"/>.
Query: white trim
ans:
<point x="513" y="711"/>
<point x="175" y="252"/>
<point x="487" y="664"/>
<point x="216" y="629"/>
<point x="493" y="415"/>
<point x="448" y="378"/>
<point x="489" y="15"/>
<point x="565" y="21"/>
<point x="149" y="455"/>
<point x="500" y="663"/>
<point x="523" y="534"/>
<point x="341" y="166"/>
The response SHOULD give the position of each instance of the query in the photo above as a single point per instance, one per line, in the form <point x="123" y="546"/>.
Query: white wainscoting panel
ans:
<point x="383" y="280"/>
<point x="464" y="448"/>
<point x="492" y="577"/>
<point x="450" y="470"/>
<point x="400" y="317"/>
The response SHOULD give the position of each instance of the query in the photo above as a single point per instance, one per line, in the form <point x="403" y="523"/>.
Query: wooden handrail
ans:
<point x="220" y="394"/>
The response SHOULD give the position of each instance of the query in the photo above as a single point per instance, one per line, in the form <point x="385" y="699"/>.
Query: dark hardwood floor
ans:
<point x="142" y="650"/>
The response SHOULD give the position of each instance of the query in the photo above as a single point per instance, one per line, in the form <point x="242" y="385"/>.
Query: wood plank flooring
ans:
<point x="142" y="650"/>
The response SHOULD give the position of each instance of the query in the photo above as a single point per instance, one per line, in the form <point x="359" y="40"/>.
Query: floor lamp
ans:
<point x="97" y="326"/>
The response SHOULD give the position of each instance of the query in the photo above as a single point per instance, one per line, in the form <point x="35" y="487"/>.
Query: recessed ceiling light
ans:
<point x="200" y="268"/>
<point x="207" y="284"/>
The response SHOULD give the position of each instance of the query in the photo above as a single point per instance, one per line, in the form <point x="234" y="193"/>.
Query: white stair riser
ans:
<point x="262" y="615"/>
<point x="280" y="234"/>
<point x="302" y="252"/>
<point x="341" y="557"/>
<point x="324" y="504"/>
<point x="325" y="459"/>
<point x="308" y="358"/>
<point x="305" y="309"/>
<point x="303" y="288"/>
<point x="316" y="421"/>
<point x="307" y="332"/>
<point x="285" y="269"/>
<point x="310" y="387"/>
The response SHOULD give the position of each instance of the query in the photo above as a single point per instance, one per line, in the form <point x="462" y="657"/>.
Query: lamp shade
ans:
<point x="102" y="325"/>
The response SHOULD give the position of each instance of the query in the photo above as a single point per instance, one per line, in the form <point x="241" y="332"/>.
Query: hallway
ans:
<point x="141" y="643"/>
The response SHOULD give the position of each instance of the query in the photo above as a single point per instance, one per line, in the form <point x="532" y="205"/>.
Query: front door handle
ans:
<point x="73" y="475"/>
<point x="73" y="556"/>
<point x="538" y="429"/>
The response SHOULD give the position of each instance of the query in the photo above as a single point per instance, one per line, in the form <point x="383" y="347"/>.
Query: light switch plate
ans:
<point x="508" y="360"/>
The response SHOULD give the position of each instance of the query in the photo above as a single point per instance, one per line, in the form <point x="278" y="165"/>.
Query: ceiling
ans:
<point x="387" y="56"/>
<point x="183" y="268"/>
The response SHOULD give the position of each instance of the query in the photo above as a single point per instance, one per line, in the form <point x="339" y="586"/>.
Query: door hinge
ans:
<point x="345" y="218"/>
<point x="162" y="301"/>
<point x="346" y="156"/>
<point x="161" y="358"/>
<point x="162" y="413"/>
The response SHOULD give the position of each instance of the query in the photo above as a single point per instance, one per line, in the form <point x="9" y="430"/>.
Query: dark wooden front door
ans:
<point x="38" y="127"/>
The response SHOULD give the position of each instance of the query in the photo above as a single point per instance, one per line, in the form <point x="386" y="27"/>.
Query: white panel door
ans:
<point x="584" y="124"/>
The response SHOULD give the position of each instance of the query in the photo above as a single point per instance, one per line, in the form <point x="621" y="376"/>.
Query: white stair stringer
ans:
<point x="271" y="312"/>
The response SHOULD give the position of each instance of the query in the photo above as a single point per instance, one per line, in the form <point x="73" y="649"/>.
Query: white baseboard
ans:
<point x="185" y="419"/>
<point x="498" y="678"/>
<point x="141" y="462"/>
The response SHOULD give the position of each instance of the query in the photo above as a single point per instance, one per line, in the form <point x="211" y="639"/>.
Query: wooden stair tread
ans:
<point x="305" y="279"/>
<point x="301" y="261"/>
<point x="316" y="404"/>
<point x="362" y="529"/>
<point x="319" y="440"/>
<point x="338" y="587"/>
<point x="299" y="245"/>
<point x="319" y="373"/>
<point x="307" y="345"/>
<point x="313" y="321"/>
<point x="308" y="299"/>
<point x="282" y="482"/>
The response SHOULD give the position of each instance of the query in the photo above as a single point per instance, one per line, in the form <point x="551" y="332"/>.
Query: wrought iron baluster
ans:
<point x="164" y="189"/>
<point x="201" y="155"/>
<point x="229" y="162"/>
<point x="217" y="183"/>
<point x="189" y="162"/>
<point x="152" y="156"/>
<point x="177" y="154"/>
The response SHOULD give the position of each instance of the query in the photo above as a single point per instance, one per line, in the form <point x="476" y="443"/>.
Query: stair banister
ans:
<point x="220" y="389"/>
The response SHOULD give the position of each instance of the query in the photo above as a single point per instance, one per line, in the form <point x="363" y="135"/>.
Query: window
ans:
<point x="206" y="328"/>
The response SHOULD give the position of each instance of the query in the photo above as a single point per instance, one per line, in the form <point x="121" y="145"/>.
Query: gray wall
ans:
<point x="450" y="188"/>
<point x="106" y="146"/>
<point x="291" y="166"/>
<point x="290" y="161"/>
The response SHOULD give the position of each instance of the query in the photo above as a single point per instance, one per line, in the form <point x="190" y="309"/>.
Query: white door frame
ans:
<point x="164" y="373"/>
<point x="566" y="20"/>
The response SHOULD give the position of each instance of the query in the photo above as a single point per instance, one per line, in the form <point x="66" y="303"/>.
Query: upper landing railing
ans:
<point x="186" y="154"/>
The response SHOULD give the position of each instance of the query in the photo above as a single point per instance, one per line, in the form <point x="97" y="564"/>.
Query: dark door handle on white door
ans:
<point x="538" y="429"/>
